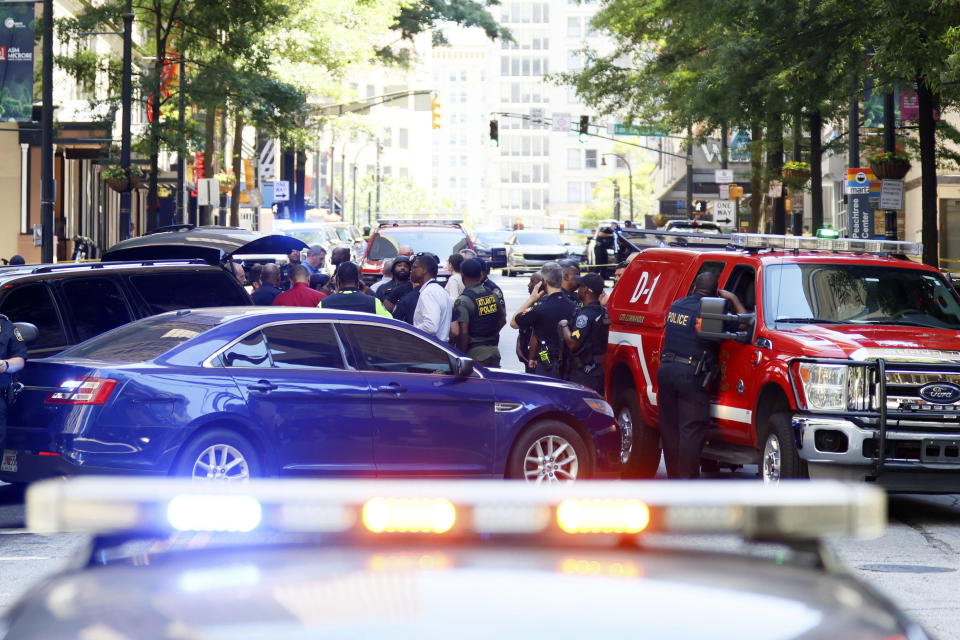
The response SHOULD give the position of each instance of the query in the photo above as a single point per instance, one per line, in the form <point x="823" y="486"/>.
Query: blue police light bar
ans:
<point x="156" y="507"/>
<point x="812" y="243"/>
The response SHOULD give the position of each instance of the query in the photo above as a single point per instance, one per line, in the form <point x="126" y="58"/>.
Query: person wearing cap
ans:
<point x="315" y="257"/>
<point x="398" y="286"/>
<point x="434" y="310"/>
<point x="479" y="316"/>
<point x="348" y="296"/>
<point x="586" y="340"/>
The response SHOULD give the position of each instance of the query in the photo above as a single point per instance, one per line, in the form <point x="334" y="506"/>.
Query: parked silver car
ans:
<point x="528" y="250"/>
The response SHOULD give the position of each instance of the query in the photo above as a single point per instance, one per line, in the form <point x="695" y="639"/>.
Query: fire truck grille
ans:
<point x="907" y="410"/>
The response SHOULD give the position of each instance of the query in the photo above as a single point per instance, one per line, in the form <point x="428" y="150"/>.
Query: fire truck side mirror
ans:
<point x="714" y="322"/>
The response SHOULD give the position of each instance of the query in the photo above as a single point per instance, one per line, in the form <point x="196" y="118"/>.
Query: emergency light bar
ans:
<point x="422" y="220"/>
<point x="792" y="511"/>
<point x="812" y="243"/>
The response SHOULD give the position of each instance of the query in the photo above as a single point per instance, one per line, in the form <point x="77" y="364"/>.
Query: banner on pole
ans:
<point x="16" y="61"/>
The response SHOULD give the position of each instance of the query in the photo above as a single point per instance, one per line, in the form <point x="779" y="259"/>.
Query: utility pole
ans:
<point x="343" y="182"/>
<point x="379" y="149"/>
<point x="125" y="98"/>
<point x="889" y="144"/>
<point x="182" y="156"/>
<point x="689" y="172"/>
<point x="330" y="199"/>
<point x="47" y="195"/>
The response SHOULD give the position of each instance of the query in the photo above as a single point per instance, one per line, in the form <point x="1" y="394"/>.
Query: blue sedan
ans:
<point x="232" y="393"/>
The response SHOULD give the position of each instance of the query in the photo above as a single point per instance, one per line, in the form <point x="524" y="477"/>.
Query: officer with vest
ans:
<point x="544" y="318"/>
<point x="479" y="315"/>
<point x="688" y="366"/>
<point x="586" y="339"/>
<point x="348" y="296"/>
<point x="14" y="355"/>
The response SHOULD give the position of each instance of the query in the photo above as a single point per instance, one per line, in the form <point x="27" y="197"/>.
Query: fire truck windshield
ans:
<point x="858" y="294"/>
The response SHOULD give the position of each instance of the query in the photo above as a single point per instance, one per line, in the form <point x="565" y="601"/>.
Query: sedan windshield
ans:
<point x="493" y="237"/>
<point x="310" y="236"/>
<point x="441" y="243"/>
<point x="145" y="340"/>
<point x="858" y="294"/>
<point x="537" y="237"/>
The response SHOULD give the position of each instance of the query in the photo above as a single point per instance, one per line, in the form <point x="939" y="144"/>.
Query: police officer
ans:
<point x="688" y="364"/>
<point x="545" y="318"/>
<point x="524" y="336"/>
<point x="14" y="351"/>
<point x="348" y="296"/>
<point x="479" y="315"/>
<point x="586" y="340"/>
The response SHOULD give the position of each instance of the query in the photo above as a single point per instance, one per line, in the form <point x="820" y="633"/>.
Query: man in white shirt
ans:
<point x="434" y="310"/>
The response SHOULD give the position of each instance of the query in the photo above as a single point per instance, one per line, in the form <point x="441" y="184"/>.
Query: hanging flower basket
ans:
<point x="795" y="175"/>
<point x="890" y="165"/>
<point x="227" y="182"/>
<point x="122" y="180"/>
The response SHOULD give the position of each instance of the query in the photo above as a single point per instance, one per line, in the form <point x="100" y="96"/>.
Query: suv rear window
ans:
<point x="32" y="303"/>
<point x="172" y="291"/>
<point x="439" y="241"/>
<point x="144" y="340"/>
<point x="96" y="305"/>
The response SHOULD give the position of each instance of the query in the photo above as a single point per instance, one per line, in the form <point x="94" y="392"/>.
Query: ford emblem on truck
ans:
<point x="940" y="392"/>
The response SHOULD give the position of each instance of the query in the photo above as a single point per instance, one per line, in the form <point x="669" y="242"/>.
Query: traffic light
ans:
<point x="700" y="206"/>
<point x="435" y="110"/>
<point x="494" y="133"/>
<point x="584" y="127"/>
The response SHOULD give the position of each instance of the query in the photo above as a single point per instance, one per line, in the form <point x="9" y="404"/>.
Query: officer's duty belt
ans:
<point x="672" y="357"/>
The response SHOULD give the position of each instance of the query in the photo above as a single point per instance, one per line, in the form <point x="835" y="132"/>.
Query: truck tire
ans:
<point x="219" y="455"/>
<point x="779" y="459"/>
<point x="549" y="452"/>
<point x="645" y="453"/>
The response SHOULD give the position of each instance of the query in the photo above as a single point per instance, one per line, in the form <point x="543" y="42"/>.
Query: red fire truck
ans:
<point x="849" y="366"/>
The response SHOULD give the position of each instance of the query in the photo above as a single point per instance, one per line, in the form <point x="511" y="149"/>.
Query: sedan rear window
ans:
<point x="144" y="340"/>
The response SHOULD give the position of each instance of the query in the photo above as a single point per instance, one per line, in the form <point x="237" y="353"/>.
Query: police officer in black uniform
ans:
<point x="545" y="319"/>
<point x="525" y="334"/>
<point x="586" y="339"/>
<point x="688" y="366"/>
<point x="479" y="315"/>
<point x="14" y="356"/>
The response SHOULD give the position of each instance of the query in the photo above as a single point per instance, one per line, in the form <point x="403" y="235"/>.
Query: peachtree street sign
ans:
<point x="624" y="130"/>
<point x="16" y="61"/>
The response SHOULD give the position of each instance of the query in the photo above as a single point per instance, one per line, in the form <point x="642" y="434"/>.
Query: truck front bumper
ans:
<point x="914" y="461"/>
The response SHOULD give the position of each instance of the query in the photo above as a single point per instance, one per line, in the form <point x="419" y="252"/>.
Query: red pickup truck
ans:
<point x="849" y="367"/>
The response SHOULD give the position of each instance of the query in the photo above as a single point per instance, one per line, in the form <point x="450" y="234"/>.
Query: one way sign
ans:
<point x="723" y="211"/>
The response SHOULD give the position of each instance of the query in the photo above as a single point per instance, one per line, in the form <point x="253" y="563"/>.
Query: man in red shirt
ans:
<point x="300" y="294"/>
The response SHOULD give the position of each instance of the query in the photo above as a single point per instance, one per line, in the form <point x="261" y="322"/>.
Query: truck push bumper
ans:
<point x="836" y="448"/>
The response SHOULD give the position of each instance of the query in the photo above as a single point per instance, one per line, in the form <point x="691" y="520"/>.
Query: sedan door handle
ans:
<point x="393" y="387"/>
<point x="262" y="385"/>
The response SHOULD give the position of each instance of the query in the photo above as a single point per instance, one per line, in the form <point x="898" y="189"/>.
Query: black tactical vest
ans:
<point x="484" y="318"/>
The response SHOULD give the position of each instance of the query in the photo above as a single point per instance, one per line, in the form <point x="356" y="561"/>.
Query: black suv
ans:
<point x="71" y="302"/>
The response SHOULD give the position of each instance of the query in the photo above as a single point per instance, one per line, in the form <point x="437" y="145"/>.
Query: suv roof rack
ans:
<point x="49" y="268"/>
<point x="398" y="221"/>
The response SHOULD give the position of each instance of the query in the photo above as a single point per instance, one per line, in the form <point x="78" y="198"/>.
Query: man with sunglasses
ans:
<point x="434" y="310"/>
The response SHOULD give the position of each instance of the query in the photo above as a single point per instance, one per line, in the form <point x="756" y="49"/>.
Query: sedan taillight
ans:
<point x="82" y="391"/>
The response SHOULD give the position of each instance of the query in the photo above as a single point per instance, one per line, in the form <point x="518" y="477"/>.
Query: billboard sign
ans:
<point x="16" y="61"/>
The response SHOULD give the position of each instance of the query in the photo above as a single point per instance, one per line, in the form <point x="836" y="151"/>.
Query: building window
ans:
<point x="573" y="27"/>
<point x="574" y="192"/>
<point x="404" y="172"/>
<point x="504" y="65"/>
<point x="402" y="138"/>
<point x="573" y="159"/>
<point x="591" y="159"/>
<point x="388" y="137"/>
<point x="371" y="91"/>
<point x="574" y="61"/>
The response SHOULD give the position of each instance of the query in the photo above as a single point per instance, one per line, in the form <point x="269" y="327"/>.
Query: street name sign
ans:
<point x="891" y="195"/>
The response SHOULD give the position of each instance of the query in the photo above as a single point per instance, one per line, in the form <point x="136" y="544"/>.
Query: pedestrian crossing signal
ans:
<point x="584" y="128"/>
<point x="435" y="111"/>
<point x="494" y="133"/>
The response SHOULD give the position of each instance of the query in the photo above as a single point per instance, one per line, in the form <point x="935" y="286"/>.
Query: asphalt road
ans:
<point x="916" y="562"/>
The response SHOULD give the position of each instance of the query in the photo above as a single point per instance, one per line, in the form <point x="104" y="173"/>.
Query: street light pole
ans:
<point x="182" y="156"/>
<point x="379" y="149"/>
<point x="630" y="175"/>
<point x="47" y="195"/>
<point x="125" y="98"/>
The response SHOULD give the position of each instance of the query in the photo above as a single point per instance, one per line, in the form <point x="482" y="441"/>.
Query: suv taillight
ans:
<point x="82" y="391"/>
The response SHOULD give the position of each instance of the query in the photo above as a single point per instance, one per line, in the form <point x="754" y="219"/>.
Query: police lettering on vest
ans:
<point x="484" y="316"/>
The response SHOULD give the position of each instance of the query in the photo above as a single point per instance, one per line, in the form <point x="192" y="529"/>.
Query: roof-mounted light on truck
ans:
<point x="158" y="507"/>
<point x="810" y="243"/>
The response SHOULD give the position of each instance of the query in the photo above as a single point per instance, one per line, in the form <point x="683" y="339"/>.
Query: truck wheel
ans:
<point x="219" y="455"/>
<point x="779" y="459"/>
<point x="645" y="452"/>
<point x="549" y="452"/>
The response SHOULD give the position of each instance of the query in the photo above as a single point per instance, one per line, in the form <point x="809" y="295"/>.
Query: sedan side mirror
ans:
<point x="715" y="322"/>
<point x="463" y="366"/>
<point x="28" y="332"/>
